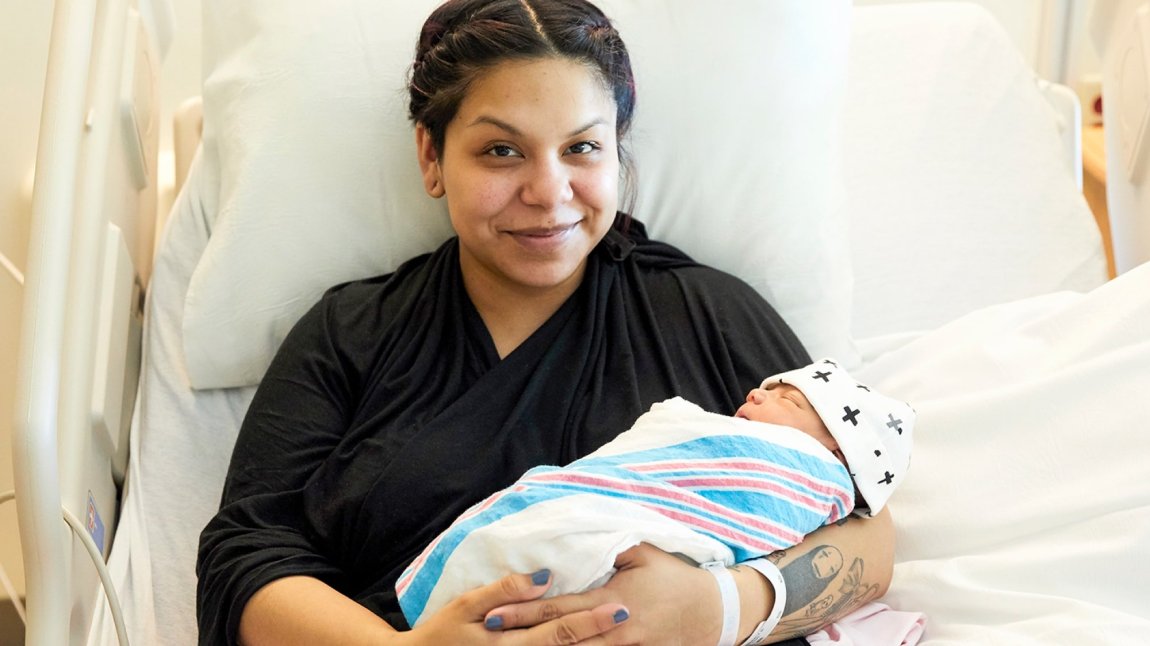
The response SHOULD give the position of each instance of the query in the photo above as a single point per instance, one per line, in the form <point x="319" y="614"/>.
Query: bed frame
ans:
<point x="90" y="253"/>
<point x="1121" y="33"/>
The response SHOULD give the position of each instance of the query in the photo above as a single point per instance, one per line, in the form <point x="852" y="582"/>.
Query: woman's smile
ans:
<point x="543" y="239"/>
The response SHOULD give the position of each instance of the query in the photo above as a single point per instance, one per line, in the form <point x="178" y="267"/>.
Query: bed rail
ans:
<point x="89" y="253"/>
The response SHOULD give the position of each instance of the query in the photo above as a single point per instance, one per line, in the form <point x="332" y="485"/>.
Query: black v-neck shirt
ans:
<point x="387" y="410"/>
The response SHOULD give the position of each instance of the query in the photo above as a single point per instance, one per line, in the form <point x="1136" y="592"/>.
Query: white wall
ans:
<point x="1021" y="18"/>
<point x="24" y="33"/>
<point x="1051" y="34"/>
<point x="25" y="29"/>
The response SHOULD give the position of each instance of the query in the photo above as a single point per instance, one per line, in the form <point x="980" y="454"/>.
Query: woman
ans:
<point x="398" y="401"/>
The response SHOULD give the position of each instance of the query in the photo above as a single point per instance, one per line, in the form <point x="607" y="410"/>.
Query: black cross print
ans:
<point x="888" y="479"/>
<point x="831" y="362"/>
<point x="851" y="414"/>
<point x="822" y="375"/>
<point x="894" y="423"/>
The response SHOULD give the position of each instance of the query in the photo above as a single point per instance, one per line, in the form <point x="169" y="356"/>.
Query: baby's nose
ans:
<point x="756" y="396"/>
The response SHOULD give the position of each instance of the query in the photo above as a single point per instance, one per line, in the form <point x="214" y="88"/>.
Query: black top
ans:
<point x="387" y="411"/>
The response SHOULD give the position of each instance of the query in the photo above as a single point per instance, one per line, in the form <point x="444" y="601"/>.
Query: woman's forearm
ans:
<point x="304" y="610"/>
<point x="833" y="571"/>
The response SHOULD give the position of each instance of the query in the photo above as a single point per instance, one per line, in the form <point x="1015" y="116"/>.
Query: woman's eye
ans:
<point x="583" y="147"/>
<point x="501" y="151"/>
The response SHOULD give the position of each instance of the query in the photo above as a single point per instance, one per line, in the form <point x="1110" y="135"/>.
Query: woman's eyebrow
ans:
<point x="594" y="122"/>
<point x="510" y="129"/>
<point x="498" y="123"/>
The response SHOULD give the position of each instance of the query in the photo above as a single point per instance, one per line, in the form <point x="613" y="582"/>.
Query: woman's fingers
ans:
<point x="586" y="627"/>
<point x="538" y="611"/>
<point x="509" y="612"/>
<point x="513" y="588"/>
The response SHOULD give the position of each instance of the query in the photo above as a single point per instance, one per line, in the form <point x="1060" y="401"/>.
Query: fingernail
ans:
<point x="494" y="622"/>
<point x="621" y="615"/>
<point x="541" y="577"/>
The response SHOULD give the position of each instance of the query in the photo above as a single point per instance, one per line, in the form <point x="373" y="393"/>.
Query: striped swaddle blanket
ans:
<point x="711" y="487"/>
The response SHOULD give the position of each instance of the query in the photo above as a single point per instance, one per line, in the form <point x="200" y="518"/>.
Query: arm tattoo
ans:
<point x="811" y="601"/>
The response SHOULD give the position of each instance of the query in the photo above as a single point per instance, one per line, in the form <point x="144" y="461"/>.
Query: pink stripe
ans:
<point x="753" y="466"/>
<point x="756" y="484"/>
<point x="685" y="497"/>
<point x="733" y="537"/>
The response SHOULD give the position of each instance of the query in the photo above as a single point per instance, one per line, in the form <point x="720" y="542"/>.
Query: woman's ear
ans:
<point x="428" y="162"/>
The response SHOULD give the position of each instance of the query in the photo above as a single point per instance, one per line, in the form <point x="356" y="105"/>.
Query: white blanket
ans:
<point x="1025" y="517"/>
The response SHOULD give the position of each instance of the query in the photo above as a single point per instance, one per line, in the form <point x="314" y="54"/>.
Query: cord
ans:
<point x="10" y="266"/>
<point x="97" y="560"/>
<point x="7" y="582"/>
<point x="105" y="576"/>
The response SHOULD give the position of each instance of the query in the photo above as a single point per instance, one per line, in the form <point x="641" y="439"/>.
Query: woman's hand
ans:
<point x="469" y="619"/>
<point x="833" y="571"/>
<point x="671" y="602"/>
<point x="304" y="610"/>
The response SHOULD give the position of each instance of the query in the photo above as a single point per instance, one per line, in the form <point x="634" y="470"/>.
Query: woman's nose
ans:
<point x="549" y="184"/>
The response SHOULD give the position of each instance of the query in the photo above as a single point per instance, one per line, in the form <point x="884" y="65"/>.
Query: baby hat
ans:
<point x="873" y="431"/>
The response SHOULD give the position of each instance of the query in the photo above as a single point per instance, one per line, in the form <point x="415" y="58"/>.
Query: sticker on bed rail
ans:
<point x="94" y="524"/>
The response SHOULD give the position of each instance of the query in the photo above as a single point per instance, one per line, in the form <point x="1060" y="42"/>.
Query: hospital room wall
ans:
<point x="24" y="34"/>
<point x="1052" y="34"/>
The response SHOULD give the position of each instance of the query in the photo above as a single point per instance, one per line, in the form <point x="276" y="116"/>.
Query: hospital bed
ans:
<point x="894" y="179"/>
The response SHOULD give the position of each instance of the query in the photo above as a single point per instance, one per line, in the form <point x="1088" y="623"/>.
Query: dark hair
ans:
<point x="463" y="38"/>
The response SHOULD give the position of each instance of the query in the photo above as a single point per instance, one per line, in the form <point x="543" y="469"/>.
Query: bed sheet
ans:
<point x="1025" y="515"/>
<point x="181" y="443"/>
<point x="1025" y="518"/>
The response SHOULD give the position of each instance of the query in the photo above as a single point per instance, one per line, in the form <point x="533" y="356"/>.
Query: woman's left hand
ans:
<point x="670" y="600"/>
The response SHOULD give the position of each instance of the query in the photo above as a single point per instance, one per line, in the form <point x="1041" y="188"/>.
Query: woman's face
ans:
<point x="530" y="171"/>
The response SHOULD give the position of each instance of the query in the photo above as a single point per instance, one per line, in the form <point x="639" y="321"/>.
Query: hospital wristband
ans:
<point x="771" y="572"/>
<point x="729" y="594"/>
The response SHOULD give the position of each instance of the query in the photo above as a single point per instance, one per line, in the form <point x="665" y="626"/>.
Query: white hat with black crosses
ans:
<point x="873" y="431"/>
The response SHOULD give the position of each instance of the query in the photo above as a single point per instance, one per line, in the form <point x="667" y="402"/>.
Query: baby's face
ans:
<point x="786" y="405"/>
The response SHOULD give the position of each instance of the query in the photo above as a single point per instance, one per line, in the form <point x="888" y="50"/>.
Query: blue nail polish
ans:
<point x="621" y="615"/>
<point x="541" y="577"/>
<point x="494" y="622"/>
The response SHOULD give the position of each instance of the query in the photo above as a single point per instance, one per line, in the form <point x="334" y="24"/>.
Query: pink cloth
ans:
<point x="874" y="624"/>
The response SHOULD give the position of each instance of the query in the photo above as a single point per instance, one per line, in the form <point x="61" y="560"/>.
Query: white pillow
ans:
<point x="735" y="141"/>
<point x="959" y="188"/>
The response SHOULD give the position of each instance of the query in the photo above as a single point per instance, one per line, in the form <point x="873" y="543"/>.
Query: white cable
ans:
<point x="97" y="560"/>
<point x="11" y="268"/>
<point x="4" y="580"/>
<point x="105" y="576"/>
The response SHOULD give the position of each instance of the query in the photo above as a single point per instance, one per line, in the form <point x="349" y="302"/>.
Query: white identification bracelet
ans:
<point x="771" y="571"/>
<point x="729" y="594"/>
